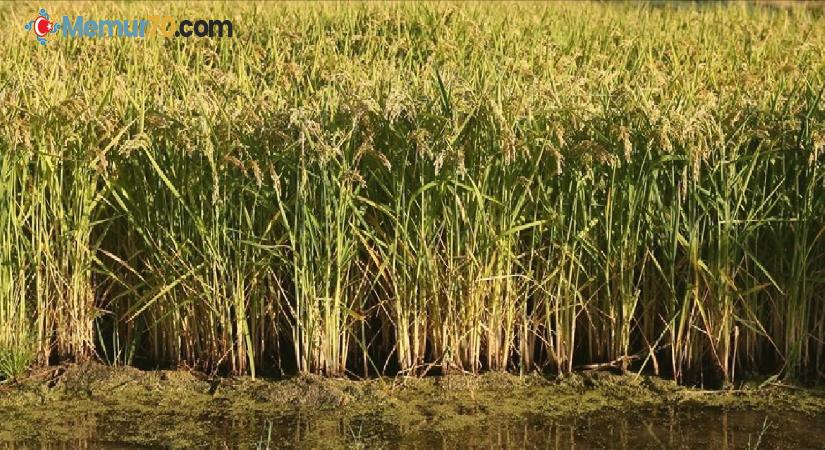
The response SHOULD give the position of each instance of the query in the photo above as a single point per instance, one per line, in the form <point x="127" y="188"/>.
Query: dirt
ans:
<point x="180" y="409"/>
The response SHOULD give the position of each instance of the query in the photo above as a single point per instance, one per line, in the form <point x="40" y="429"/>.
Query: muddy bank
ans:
<point x="180" y="409"/>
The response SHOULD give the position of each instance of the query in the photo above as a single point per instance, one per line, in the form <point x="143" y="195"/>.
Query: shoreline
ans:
<point x="181" y="409"/>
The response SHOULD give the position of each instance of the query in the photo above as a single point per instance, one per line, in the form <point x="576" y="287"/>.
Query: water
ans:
<point x="667" y="428"/>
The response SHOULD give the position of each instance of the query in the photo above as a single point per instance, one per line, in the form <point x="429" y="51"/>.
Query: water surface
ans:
<point x="664" y="428"/>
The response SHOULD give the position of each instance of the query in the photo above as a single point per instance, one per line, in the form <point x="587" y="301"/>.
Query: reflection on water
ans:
<point x="680" y="428"/>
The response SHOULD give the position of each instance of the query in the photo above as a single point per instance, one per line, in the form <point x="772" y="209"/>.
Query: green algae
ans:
<point x="180" y="409"/>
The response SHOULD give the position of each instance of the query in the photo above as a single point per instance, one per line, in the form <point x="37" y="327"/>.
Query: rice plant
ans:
<point x="368" y="189"/>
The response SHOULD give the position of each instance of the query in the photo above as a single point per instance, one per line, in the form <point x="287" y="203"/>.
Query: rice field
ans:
<point x="357" y="189"/>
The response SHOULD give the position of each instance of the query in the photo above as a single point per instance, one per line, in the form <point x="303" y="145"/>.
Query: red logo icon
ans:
<point x="42" y="26"/>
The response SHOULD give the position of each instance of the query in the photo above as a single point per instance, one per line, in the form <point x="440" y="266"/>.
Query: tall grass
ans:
<point x="362" y="189"/>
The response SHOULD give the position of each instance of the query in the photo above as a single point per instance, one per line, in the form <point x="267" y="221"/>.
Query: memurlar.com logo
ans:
<point x="150" y="26"/>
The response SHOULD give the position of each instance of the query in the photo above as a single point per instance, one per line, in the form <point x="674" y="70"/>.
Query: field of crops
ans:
<point x="358" y="189"/>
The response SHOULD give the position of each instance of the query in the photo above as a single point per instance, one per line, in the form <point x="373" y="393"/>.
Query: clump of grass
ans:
<point x="15" y="359"/>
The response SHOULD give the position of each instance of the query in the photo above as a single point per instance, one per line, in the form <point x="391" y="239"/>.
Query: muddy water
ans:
<point x="102" y="407"/>
<point x="665" y="428"/>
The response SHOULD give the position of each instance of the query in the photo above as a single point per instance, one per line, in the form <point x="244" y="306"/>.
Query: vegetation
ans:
<point x="362" y="189"/>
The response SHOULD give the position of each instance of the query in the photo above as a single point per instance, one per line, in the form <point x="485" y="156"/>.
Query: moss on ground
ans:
<point x="184" y="409"/>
